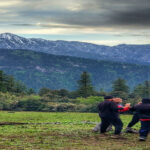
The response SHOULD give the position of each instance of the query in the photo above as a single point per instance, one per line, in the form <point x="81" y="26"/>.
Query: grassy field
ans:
<point x="64" y="131"/>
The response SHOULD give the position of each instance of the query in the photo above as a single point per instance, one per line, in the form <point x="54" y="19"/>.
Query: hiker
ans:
<point x="116" y="100"/>
<point x="143" y="110"/>
<point x="98" y="126"/>
<point x="135" y="119"/>
<point x="109" y="113"/>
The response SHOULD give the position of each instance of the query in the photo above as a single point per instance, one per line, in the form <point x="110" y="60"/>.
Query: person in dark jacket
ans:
<point x="143" y="110"/>
<point x="98" y="126"/>
<point x="109" y="114"/>
<point x="135" y="119"/>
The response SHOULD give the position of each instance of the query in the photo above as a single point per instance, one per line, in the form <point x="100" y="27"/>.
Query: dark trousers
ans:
<point x="134" y="120"/>
<point x="145" y="128"/>
<point x="114" y="121"/>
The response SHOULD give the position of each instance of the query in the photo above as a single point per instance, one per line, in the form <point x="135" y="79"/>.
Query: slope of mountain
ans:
<point x="39" y="70"/>
<point x="139" y="54"/>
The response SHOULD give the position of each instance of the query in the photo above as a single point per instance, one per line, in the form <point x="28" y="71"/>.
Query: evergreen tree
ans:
<point x="30" y="91"/>
<point x="44" y="91"/>
<point x="85" y="87"/>
<point x="10" y="84"/>
<point x="142" y="90"/>
<point x="63" y="93"/>
<point x="3" y="87"/>
<point x="120" y="85"/>
<point x="146" y="89"/>
<point x="138" y="90"/>
<point x="120" y="89"/>
<point x="19" y="87"/>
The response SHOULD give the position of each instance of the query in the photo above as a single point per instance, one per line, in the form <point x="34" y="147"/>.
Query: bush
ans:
<point x="90" y="108"/>
<point x="36" y="103"/>
<point x="90" y="100"/>
<point x="61" y="107"/>
<point x="58" y="99"/>
<point x="30" y="105"/>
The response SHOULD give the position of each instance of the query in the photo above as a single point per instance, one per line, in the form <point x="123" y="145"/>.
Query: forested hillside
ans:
<point x="39" y="70"/>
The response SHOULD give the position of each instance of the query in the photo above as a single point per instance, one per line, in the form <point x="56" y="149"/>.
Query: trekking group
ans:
<point x="109" y="113"/>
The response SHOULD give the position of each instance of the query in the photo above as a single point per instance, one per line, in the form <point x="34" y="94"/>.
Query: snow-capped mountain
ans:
<point x="11" y="41"/>
<point x="122" y="53"/>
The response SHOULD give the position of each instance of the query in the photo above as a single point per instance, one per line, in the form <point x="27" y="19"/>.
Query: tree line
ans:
<point x="86" y="89"/>
<point x="14" y="95"/>
<point x="9" y="84"/>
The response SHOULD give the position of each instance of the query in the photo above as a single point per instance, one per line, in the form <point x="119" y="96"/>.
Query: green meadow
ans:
<point x="62" y="131"/>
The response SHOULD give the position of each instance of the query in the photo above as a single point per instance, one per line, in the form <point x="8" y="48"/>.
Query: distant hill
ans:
<point x="39" y="70"/>
<point x="137" y="54"/>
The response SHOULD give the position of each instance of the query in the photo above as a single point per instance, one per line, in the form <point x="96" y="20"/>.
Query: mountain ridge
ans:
<point x="137" y="54"/>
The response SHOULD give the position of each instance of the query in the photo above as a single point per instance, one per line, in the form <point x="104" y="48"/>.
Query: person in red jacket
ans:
<point x="121" y="108"/>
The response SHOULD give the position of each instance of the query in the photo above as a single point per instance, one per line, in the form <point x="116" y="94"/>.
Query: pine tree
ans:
<point x="142" y="90"/>
<point x="19" y="87"/>
<point x="10" y="84"/>
<point x="44" y="91"/>
<point x="85" y="87"/>
<point x="146" y="89"/>
<point x="120" y="85"/>
<point x="3" y="81"/>
<point x="120" y="89"/>
<point x="30" y="91"/>
<point x="138" y="90"/>
<point x="63" y="93"/>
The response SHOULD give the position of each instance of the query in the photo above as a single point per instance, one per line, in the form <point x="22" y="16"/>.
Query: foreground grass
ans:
<point x="64" y="131"/>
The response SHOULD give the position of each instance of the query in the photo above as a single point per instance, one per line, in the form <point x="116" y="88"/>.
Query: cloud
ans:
<point x="8" y="3"/>
<point x="95" y="13"/>
<point x="113" y="17"/>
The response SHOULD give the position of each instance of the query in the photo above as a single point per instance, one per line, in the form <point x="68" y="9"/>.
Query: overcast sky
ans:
<point x="108" y="22"/>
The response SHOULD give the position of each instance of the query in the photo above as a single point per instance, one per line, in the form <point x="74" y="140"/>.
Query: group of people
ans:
<point x="109" y="113"/>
